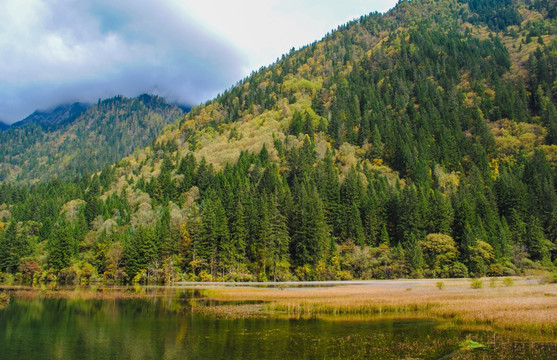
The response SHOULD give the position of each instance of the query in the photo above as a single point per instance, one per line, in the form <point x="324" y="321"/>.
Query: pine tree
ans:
<point x="13" y="247"/>
<point x="538" y="246"/>
<point x="236" y="248"/>
<point x="351" y="195"/>
<point x="279" y="241"/>
<point x="329" y="189"/>
<point x="60" y="246"/>
<point x="140" y="250"/>
<point x="414" y="254"/>
<point x="165" y="244"/>
<point x="376" y="151"/>
<point x="214" y="235"/>
<point x="384" y="237"/>
<point x="296" y="126"/>
<point x="311" y="233"/>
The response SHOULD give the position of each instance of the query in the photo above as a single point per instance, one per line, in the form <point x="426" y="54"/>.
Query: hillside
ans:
<point x="75" y="139"/>
<point x="3" y="126"/>
<point x="417" y="143"/>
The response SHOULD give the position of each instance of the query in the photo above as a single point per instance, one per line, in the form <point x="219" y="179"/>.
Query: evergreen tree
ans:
<point x="60" y="246"/>
<point x="140" y="250"/>
<point x="538" y="246"/>
<point x="279" y="241"/>
<point x="296" y="126"/>
<point x="13" y="247"/>
<point x="310" y="235"/>
<point x="236" y="248"/>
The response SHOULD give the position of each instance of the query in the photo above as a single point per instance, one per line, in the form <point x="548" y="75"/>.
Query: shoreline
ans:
<point x="524" y="306"/>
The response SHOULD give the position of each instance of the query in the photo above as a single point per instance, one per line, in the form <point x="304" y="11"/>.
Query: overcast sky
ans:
<point x="60" y="51"/>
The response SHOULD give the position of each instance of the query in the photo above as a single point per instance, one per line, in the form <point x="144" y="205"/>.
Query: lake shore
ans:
<point x="523" y="305"/>
<point x="526" y="305"/>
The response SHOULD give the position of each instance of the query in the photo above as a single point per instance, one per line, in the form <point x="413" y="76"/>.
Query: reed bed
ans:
<point x="531" y="308"/>
<point x="83" y="294"/>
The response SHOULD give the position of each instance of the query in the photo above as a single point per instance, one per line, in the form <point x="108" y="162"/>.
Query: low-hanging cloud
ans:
<point x="54" y="52"/>
<point x="60" y="51"/>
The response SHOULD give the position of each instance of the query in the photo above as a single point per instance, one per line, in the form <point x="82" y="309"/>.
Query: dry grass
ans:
<point x="530" y="308"/>
<point x="86" y="293"/>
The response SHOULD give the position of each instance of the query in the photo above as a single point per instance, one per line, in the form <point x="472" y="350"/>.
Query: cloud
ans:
<point x="53" y="52"/>
<point x="266" y="29"/>
<point x="60" y="51"/>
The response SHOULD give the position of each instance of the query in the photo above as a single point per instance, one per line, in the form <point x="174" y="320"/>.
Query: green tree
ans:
<point x="440" y="253"/>
<point x="60" y="246"/>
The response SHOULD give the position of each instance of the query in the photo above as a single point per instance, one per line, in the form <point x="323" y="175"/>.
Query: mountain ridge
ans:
<point x="72" y="139"/>
<point x="55" y="116"/>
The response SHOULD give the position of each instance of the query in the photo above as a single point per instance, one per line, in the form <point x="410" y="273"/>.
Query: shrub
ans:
<point x="28" y="267"/>
<point x="508" y="281"/>
<point x="476" y="284"/>
<point x="459" y="270"/>
<point x="88" y="273"/>
<point x="6" y="278"/>
<point x="496" y="270"/>
<point x="191" y="277"/>
<point x="69" y="275"/>
<point x="440" y="285"/>
<point x="205" y="276"/>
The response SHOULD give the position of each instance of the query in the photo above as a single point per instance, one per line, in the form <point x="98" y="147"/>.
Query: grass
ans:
<point x="528" y="307"/>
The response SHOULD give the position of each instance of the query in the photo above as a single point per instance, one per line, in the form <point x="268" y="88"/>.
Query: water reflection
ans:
<point x="163" y="326"/>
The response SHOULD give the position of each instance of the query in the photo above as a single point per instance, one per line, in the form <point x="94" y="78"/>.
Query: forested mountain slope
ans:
<point x="54" y="117"/>
<point x="74" y="140"/>
<point x="417" y="143"/>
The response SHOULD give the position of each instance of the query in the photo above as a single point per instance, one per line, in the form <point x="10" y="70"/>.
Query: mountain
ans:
<point x="3" y="126"/>
<point x="420" y="142"/>
<point x="55" y="117"/>
<point x="75" y="139"/>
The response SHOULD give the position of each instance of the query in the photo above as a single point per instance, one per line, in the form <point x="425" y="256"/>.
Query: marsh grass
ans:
<point x="476" y="284"/>
<point x="521" y="308"/>
<point x="87" y="293"/>
<point x="524" y="308"/>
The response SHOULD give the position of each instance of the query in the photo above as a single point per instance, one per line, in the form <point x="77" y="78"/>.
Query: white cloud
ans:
<point x="264" y="30"/>
<point x="58" y="51"/>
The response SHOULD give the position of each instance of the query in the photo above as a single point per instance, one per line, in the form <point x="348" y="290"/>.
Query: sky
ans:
<point x="55" y="52"/>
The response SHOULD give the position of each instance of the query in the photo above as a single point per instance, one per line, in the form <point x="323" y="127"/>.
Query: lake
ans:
<point x="168" y="326"/>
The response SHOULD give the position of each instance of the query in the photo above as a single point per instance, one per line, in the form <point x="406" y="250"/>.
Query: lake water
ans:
<point x="166" y="327"/>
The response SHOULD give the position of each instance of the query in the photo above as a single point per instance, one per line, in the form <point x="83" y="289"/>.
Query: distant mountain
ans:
<point x="53" y="118"/>
<point x="73" y="139"/>
<point x="3" y="126"/>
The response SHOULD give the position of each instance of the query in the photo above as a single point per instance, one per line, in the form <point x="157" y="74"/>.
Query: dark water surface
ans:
<point x="167" y="328"/>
